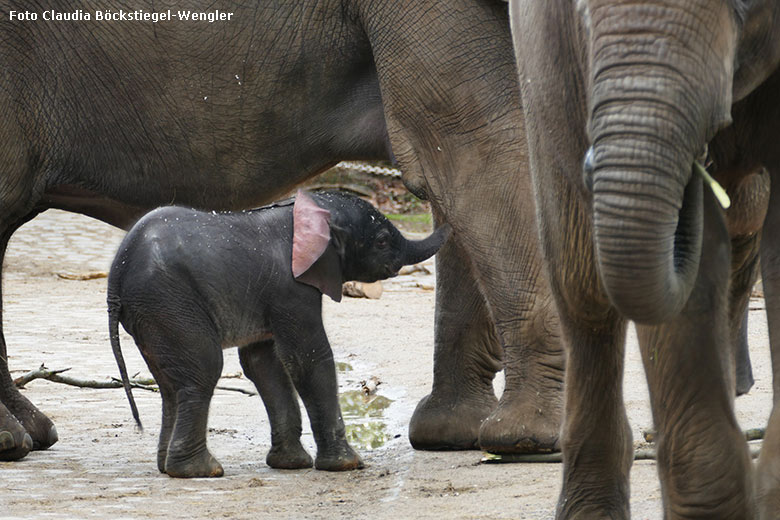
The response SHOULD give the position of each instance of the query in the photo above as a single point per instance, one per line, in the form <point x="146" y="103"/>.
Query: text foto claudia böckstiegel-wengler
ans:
<point x="121" y="16"/>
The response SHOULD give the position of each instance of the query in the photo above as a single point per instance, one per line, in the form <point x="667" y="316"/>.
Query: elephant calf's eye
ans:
<point x="381" y="243"/>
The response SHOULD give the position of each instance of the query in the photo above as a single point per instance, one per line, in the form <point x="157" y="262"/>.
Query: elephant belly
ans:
<point x="242" y="341"/>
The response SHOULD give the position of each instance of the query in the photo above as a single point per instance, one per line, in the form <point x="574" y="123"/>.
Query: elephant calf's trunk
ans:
<point x="418" y="250"/>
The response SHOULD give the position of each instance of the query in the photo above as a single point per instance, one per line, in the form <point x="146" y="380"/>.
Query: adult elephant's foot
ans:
<point x="288" y="456"/>
<point x="15" y="442"/>
<point x="523" y="425"/>
<point x="39" y="427"/>
<point x="200" y="464"/>
<point x="444" y="422"/>
<point x="341" y="458"/>
<point x="515" y="428"/>
<point x="767" y="478"/>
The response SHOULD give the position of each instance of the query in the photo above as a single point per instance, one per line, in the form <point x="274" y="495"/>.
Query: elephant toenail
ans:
<point x="27" y="443"/>
<point x="6" y="441"/>
<point x="53" y="437"/>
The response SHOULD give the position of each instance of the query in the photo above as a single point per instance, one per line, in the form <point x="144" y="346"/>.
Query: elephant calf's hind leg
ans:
<point x="187" y="367"/>
<point x="188" y="456"/>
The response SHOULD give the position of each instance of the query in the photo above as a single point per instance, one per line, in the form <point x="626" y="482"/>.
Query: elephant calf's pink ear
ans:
<point x="311" y="233"/>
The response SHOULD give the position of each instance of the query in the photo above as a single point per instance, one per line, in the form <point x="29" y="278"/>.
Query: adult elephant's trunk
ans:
<point x="654" y="104"/>
<point x="415" y="251"/>
<point x="648" y="245"/>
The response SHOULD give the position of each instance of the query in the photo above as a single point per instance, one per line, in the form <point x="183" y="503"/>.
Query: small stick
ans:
<point x="93" y="275"/>
<point x="239" y="390"/>
<point x="639" y="454"/>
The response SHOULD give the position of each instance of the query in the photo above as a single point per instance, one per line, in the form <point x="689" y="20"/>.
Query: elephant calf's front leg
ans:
<point x="263" y="367"/>
<point x="304" y="349"/>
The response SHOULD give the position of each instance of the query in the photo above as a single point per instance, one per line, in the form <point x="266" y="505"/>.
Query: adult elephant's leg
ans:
<point x="456" y="126"/>
<point x="265" y="369"/>
<point x="596" y="438"/>
<point x="744" y="274"/>
<point x="703" y="461"/>
<point x="500" y="245"/>
<point x="768" y="469"/>
<point x="466" y="357"/>
<point x="529" y="414"/>
<point x="22" y="426"/>
<point x="744" y="221"/>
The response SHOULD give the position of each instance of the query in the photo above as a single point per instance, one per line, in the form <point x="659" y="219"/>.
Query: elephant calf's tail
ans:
<point x="113" y="332"/>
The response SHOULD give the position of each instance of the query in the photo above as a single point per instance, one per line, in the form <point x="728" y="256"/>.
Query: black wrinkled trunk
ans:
<point x="416" y="251"/>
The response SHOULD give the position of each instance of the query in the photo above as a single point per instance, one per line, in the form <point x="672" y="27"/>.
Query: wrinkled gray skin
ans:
<point x="114" y="119"/>
<point x="629" y="231"/>
<point x="186" y="284"/>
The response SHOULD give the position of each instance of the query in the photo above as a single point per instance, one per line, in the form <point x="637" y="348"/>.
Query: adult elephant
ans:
<point x="620" y="99"/>
<point x="111" y="119"/>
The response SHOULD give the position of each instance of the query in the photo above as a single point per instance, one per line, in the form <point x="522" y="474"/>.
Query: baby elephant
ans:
<point x="187" y="284"/>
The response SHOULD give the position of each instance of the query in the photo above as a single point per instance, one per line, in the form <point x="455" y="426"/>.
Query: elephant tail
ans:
<point x="113" y="331"/>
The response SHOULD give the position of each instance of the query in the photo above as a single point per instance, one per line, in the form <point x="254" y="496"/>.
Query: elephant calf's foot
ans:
<point x="342" y="459"/>
<point x="444" y="424"/>
<point x="516" y="427"/>
<point x="199" y="465"/>
<point x="288" y="456"/>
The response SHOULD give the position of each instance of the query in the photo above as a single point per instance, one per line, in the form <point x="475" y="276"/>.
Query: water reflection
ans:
<point x="364" y="418"/>
<point x="343" y="367"/>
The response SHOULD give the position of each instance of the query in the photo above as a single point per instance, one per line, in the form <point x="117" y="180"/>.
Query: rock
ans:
<point x="416" y="268"/>
<point x="372" y="291"/>
<point x="369" y="385"/>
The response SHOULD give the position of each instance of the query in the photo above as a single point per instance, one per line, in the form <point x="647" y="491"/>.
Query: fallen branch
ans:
<point x="40" y="373"/>
<point x="639" y="454"/>
<point x="56" y="376"/>
<point x="752" y="434"/>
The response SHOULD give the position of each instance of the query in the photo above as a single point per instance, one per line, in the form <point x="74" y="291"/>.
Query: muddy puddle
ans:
<point x="370" y="419"/>
<point x="364" y="413"/>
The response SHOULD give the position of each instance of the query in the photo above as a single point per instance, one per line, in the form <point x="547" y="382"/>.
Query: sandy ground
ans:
<point x="102" y="467"/>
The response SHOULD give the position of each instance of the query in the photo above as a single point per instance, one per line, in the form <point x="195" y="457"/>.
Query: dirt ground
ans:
<point x="102" y="467"/>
